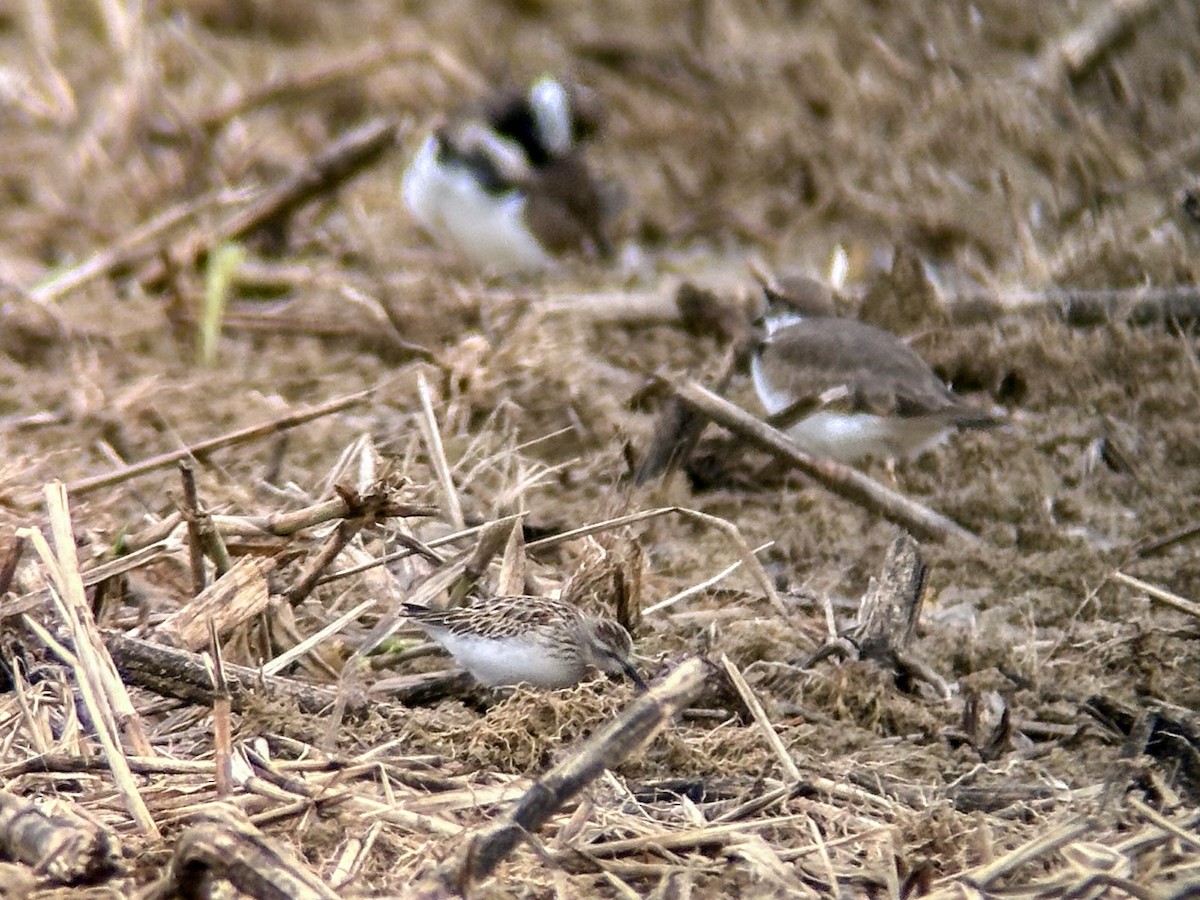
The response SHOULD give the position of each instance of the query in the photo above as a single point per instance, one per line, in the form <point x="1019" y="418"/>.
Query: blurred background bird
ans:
<point x="507" y="182"/>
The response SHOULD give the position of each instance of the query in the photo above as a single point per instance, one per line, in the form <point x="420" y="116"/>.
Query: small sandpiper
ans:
<point x="873" y="395"/>
<point x="536" y="640"/>
<point x="508" y="183"/>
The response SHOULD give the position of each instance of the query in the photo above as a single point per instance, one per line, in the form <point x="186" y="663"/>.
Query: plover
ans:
<point x="536" y="640"/>
<point x="508" y="184"/>
<point x="873" y="395"/>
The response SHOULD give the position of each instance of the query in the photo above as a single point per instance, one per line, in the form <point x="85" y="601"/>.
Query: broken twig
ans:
<point x="241" y="435"/>
<point x="644" y="718"/>
<point x="840" y="479"/>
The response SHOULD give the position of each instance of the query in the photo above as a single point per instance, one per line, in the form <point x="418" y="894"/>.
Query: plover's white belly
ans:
<point x="513" y="660"/>
<point x="851" y="437"/>
<point x="446" y="199"/>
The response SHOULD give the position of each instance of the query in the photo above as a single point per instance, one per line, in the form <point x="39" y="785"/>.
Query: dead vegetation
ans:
<point x="187" y="686"/>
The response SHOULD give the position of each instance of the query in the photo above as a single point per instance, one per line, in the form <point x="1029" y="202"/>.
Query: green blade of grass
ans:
<point x="223" y="262"/>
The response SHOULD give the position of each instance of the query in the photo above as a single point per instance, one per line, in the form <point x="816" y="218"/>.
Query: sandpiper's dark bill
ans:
<point x="508" y="184"/>
<point x="875" y="396"/>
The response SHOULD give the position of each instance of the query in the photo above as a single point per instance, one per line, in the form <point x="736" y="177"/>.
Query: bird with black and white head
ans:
<point x="508" y="184"/>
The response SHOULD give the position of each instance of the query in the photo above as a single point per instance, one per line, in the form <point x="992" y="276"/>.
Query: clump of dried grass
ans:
<point x="524" y="732"/>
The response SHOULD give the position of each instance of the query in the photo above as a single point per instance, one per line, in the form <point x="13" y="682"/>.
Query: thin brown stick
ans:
<point x="644" y="718"/>
<point x="437" y="454"/>
<point x="334" y="544"/>
<point x="191" y="511"/>
<point x="358" y="510"/>
<point x="183" y="675"/>
<point x="58" y="763"/>
<point x="288" y="523"/>
<point x="203" y="537"/>
<point x="345" y="157"/>
<point x="239" y="436"/>
<point x="839" y="479"/>
<point x="1151" y="546"/>
<point x="12" y="558"/>
<point x="380" y="338"/>
<point x="306" y="81"/>
<point x="222" y="711"/>
<point x="760" y="718"/>
<point x="1046" y="842"/>
<point x="1190" y="607"/>
<point x="333" y="165"/>
<point x="142" y="243"/>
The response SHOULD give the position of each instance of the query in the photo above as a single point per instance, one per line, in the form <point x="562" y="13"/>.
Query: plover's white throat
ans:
<point x="508" y="185"/>
<point x="536" y="640"/>
<point x="876" y="397"/>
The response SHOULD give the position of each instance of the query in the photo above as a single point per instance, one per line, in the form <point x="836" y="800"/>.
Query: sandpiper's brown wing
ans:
<point x="496" y="617"/>
<point x="876" y="371"/>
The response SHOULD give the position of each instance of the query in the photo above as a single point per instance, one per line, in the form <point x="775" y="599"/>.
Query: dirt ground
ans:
<point x="1037" y="159"/>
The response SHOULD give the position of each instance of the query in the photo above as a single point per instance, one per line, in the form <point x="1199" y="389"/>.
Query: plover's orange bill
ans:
<point x="871" y="394"/>
<point x="529" y="640"/>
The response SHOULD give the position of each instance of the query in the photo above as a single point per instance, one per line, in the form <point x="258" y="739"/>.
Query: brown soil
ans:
<point x="952" y="131"/>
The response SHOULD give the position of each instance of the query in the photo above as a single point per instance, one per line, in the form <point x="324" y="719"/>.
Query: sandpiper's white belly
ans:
<point x="852" y="437"/>
<point x="510" y="660"/>
<point x="447" y="200"/>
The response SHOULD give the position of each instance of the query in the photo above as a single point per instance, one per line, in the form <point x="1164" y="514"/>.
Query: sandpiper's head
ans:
<point x="610" y="649"/>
